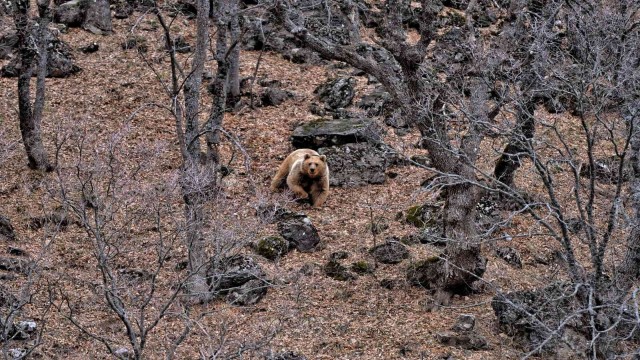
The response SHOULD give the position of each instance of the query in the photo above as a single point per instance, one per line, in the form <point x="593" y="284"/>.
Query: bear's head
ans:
<point x="314" y="166"/>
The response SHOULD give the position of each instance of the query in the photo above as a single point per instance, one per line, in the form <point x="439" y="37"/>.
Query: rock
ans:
<point x="465" y="323"/>
<point x="423" y="215"/>
<point x="232" y="272"/>
<point x="7" y="299"/>
<point x="59" y="62"/>
<point x="510" y="255"/>
<point x="98" y="17"/>
<point x="22" y="330"/>
<point x="543" y="319"/>
<point x="395" y="120"/>
<point x="424" y="272"/>
<point x="301" y="56"/>
<point x="354" y="165"/>
<point x="17" y="353"/>
<point x="463" y="341"/>
<point x="17" y="251"/>
<point x="274" y="96"/>
<point x="337" y="93"/>
<point x="272" y="247"/>
<point x="456" y="4"/>
<point x="187" y="8"/>
<point x="90" y="49"/>
<point x="300" y="233"/>
<point x="71" y="13"/>
<point x="123" y="9"/>
<point x="272" y="213"/>
<point x="310" y="269"/>
<point x="362" y="267"/>
<point x="337" y="271"/>
<point x="250" y="293"/>
<point x="123" y="353"/>
<point x="606" y="170"/>
<point x="287" y="355"/>
<point x="333" y="132"/>
<point x="338" y="255"/>
<point x="135" y="42"/>
<point x="375" y="103"/>
<point x="13" y="264"/>
<point x="391" y="284"/>
<point x="391" y="252"/>
<point x="6" y="229"/>
<point x="484" y="16"/>
<point x="8" y="42"/>
<point x="57" y="218"/>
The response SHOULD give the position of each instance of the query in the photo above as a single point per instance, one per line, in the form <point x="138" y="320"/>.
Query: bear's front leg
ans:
<point x="318" y="195"/>
<point x="293" y="185"/>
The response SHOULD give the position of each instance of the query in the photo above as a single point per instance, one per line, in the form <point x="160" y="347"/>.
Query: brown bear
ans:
<point x="307" y="175"/>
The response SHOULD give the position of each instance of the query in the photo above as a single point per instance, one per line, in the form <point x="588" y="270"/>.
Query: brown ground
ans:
<point x="314" y="315"/>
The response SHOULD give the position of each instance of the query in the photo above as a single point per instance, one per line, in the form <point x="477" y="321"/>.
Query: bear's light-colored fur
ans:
<point x="307" y="175"/>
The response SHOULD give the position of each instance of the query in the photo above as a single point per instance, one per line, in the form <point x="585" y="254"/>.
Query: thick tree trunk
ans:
<point x="234" y="56"/>
<point x="30" y="118"/>
<point x="195" y="178"/>
<point x="219" y="86"/>
<point x="517" y="147"/>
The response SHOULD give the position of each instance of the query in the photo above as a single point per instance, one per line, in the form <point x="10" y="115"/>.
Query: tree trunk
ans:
<point x="234" y="56"/>
<point x="629" y="271"/>
<point x="518" y="146"/>
<point x="218" y="87"/>
<point x="195" y="178"/>
<point x="30" y="118"/>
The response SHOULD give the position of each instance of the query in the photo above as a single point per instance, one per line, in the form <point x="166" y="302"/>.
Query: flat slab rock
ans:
<point x="331" y="132"/>
<point x="360" y="164"/>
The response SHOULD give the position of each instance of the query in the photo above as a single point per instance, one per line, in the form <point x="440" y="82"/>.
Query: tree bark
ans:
<point x="31" y="118"/>
<point x="195" y="177"/>
<point x="234" y="55"/>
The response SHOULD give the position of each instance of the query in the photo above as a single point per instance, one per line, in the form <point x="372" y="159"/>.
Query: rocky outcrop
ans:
<point x="332" y="132"/>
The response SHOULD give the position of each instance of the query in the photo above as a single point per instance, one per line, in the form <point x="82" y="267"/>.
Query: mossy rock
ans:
<point x="329" y="132"/>
<point x="425" y="272"/>
<point x="413" y="216"/>
<point x="272" y="247"/>
<point x="362" y="267"/>
<point x="337" y="271"/>
<point x="422" y="216"/>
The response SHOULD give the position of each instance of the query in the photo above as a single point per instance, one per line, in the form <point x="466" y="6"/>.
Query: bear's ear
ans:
<point x="307" y="156"/>
<point x="323" y="158"/>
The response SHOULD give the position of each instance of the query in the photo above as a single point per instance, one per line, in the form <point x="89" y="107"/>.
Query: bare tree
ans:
<point x="405" y="69"/>
<point x="32" y="48"/>
<point x="585" y="58"/>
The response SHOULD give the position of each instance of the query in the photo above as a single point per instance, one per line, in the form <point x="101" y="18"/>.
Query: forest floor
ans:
<point x="309" y="314"/>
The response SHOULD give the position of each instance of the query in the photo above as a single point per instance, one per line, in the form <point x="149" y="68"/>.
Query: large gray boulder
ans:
<point x="337" y="93"/>
<point x="300" y="233"/>
<point x="358" y="164"/>
<point x="98" y="17"/>
<point x="232" y="272"/>
<point x="543" y="319"/>
<point x="60" y="62"/>
<point x="391" y="252"/>
<point x="71" y="13"/>
<point x="330" y="132"/>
